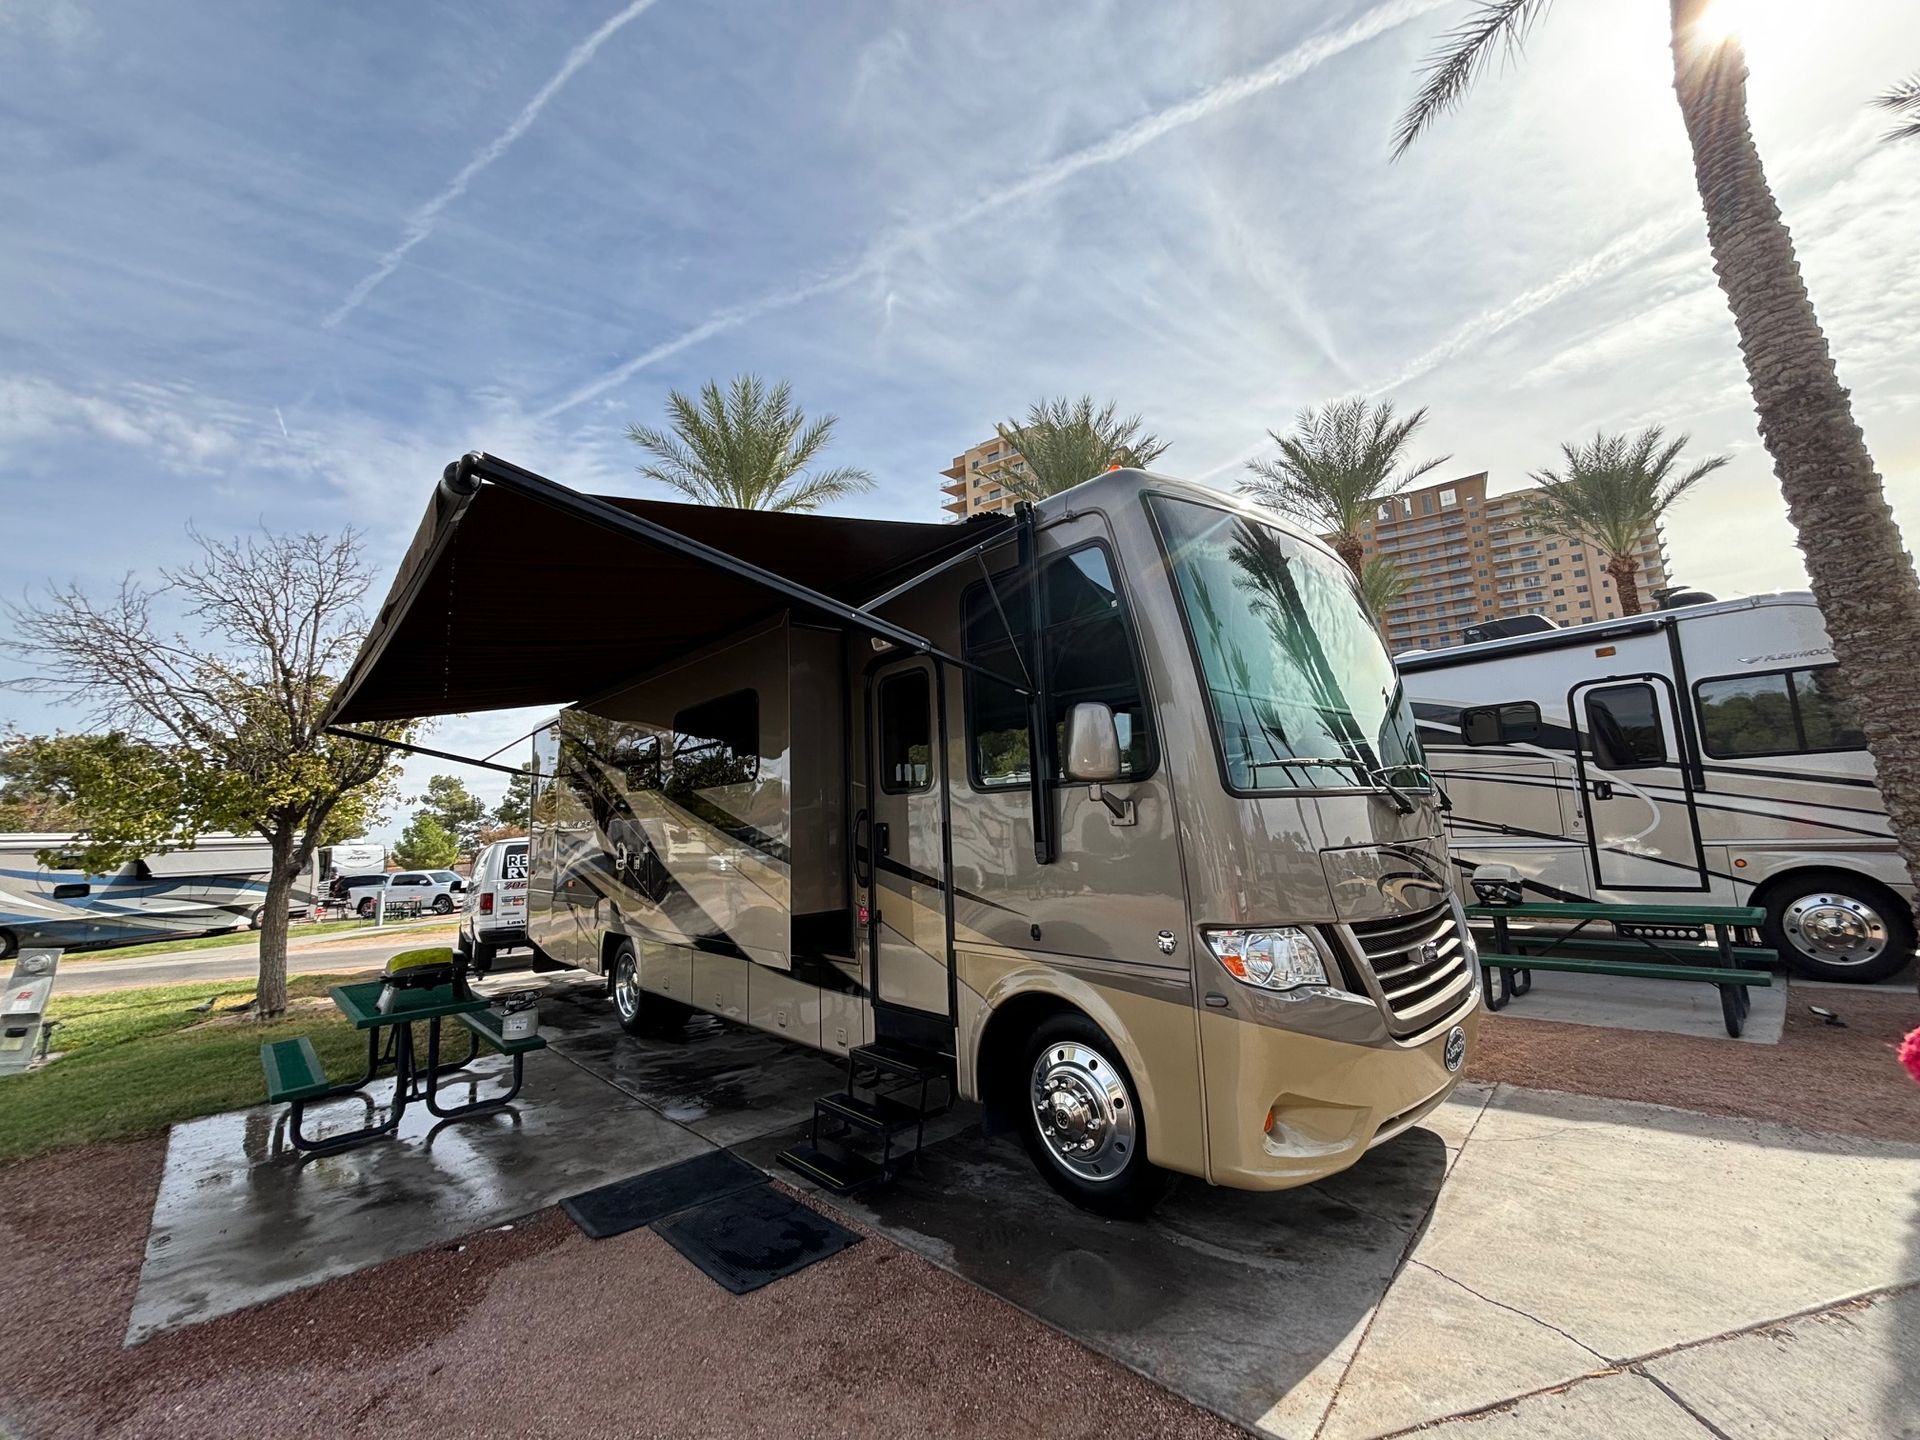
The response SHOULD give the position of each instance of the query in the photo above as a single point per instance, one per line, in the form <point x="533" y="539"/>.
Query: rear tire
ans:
<point x="9" y="944"/>
<point x="443" y="905"/>
<point x="365" y="909"/>
<point x="1081" y="1119"/>
<point x="1830" y="925"/>
<point x="482" y="959"/>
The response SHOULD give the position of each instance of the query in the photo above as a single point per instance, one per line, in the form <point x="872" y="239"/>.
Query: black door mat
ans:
<point x="754" y="1237"/>
<point x="642" y="1199"/>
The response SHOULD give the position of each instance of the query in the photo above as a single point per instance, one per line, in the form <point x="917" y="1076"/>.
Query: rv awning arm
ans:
<point x="464" y="476"/>
<point x="1002" y="535"/>
<point x="346" y="734"/>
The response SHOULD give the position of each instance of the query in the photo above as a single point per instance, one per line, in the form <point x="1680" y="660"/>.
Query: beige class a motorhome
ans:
<point x="1111" y="812"/>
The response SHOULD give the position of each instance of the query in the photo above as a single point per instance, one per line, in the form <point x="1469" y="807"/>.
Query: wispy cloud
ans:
<point x="422" y="222"/>
<point x="1120" y="145"/>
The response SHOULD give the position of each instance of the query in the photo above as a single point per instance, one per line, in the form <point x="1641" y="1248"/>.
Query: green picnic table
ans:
<point x="1670" y="942"/>
<point x="294" y="1073"/>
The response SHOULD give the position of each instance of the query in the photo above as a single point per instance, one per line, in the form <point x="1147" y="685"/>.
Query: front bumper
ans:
<point x="1286" y="1108"/>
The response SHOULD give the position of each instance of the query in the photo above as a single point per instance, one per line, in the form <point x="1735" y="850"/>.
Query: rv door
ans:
<point x="1636" y="793"/>
<point x="907" y="934"/>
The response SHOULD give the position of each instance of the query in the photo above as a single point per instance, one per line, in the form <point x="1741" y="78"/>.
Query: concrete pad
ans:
<point x="1437" y="1349"/>
<point x="1847" y="1374"/>
<point x="1611" y="1408"/>
<point x="1618" y="1002"/>
<point x="240" y="1219"/>
<point x="1237" y="1301"/>
<point x="1635" y="1228"/>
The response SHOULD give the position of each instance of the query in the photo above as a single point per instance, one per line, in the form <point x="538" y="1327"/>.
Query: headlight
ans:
<point x="1279" y="958"/>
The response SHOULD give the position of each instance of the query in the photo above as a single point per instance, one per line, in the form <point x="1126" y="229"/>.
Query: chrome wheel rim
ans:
<point x="1835" y="929"/>
<point x="626" y="988"/>
<point x="1084" y="1113"/>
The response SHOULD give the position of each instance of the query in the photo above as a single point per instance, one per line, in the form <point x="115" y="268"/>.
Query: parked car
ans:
<point x="436" y="890"/>
<point x="496" y="903"/>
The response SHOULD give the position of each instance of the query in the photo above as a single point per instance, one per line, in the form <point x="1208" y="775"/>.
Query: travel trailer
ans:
<point x="1109" y="812"/>
<point x="1706" y="752"/>
<point x="217" y="885"/>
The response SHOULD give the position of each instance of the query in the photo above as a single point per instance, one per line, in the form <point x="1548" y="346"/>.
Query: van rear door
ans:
<point x="510" y="889"/>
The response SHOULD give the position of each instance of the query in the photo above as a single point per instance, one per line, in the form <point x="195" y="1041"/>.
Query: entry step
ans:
<point x="878" y="1114"/>
<point x="900" y="1060"/>
<point x="841" y="1171"/>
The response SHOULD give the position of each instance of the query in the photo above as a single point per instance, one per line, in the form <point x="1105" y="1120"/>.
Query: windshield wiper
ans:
<point x="1439" y="792"/>
<point x="1402" y="801"/>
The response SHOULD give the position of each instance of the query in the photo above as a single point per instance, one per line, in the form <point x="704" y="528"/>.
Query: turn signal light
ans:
<point x="486" y="902"/>
<point x="1279" y="958"/>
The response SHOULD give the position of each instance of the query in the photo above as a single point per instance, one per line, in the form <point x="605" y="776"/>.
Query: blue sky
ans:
<point x="282" y="261"/>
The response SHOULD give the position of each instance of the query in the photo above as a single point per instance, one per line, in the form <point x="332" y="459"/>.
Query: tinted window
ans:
<point x="1623" y="725"/>
<point x="906" y="733"/>
<point x="716" y="750"/>
<point x="1501" y="724"/>
<point x="1785" y="713"/>
<point x="1089" y="655"/>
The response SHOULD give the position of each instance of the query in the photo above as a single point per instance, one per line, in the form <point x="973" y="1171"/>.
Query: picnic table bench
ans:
<point x="1700" y="943"/>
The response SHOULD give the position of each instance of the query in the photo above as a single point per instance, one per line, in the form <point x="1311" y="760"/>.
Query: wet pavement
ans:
<point x="1554" y="1263"/>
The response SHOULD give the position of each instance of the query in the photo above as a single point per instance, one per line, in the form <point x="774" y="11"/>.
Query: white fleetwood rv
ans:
<point x="217" y="885"/>
<point x="1706" y="753"/>
<point x="1211" y="931"/>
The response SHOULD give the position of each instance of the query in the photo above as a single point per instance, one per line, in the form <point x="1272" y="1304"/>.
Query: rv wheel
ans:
<point x="1082" y="1121"/>
<point x="8" y="945"/>
<point x="256" y="917"/>
<point x="1828" y="925"/>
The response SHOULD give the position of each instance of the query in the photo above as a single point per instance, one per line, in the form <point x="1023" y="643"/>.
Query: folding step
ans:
<point x="899" y="1060"/>
<point x="841" y="1171"/>
<point x="878" y="1114"/>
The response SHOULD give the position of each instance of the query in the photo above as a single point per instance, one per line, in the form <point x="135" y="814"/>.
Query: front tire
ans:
<point x="1081" y="1118"/>
<point x="9" y="944"/>
<point x="365" y="909"/>
<point x="624" y="987"/>
<point x="1829" y="925"/>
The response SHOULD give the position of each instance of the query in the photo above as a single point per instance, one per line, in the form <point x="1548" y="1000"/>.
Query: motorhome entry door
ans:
<point x="1636" y="796"/>
<point x="908" y="923"/>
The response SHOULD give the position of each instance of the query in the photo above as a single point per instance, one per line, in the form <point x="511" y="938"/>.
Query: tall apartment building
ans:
<point x="1468" y="564"/>
<point x="976" y="481"/>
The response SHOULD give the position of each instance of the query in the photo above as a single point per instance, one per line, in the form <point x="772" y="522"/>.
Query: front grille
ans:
<point x="1414" y="965"/>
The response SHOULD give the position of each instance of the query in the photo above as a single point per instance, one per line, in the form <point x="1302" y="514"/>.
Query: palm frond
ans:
<point x="1904" y="100"/>
<point x="1462" y="55"/>
<point x="1063" y="442"/>
<point x="1338" y="463"/>
<point x="1613" y="490"/>
<point x="747" y="446"/>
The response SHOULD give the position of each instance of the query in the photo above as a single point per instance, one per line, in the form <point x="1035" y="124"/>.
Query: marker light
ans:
<point x="1279" y="958"/>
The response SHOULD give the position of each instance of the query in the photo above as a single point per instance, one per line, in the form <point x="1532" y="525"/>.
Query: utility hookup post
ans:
<point x="23" y="1007"/>
<point x="380" y="907"/>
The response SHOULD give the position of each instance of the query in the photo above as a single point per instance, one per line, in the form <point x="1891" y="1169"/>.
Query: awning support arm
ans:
<point x="1000" y="537"/>
<point x="1039" y="768"/>
<point x="345" y="734"/>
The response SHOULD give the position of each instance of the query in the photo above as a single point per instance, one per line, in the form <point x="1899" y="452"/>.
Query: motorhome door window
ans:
<point x="1623" y="724"/>
<point x="1090" y="656"/>
<point x="1784" y="712"/>
<point x="1501" y="724"/>
<point x="906" y="733"/>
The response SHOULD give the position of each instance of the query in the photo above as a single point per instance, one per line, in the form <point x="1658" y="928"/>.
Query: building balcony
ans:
<point x="955" y="486"/>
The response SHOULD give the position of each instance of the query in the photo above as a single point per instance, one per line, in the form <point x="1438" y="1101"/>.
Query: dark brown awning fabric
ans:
<point x="517" y="591"/>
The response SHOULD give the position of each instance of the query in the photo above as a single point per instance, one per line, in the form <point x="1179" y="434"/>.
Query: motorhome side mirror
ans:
<point x="1093" y="743"/>
<point x="74" y="891"/>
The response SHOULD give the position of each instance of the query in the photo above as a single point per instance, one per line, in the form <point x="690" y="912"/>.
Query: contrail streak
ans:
<point x="421" y="223"/>
<point x="1122" y="144"/>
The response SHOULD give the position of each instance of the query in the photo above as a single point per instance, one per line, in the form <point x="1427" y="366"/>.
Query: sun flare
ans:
<point x="1755" y="24"/>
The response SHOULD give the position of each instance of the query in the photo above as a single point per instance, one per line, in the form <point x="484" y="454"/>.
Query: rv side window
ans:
<point x="718" y="741"/>
<point x="1787" y="712"/>
<point x="1501" y="724"/>
<point x="906" y="734"/>
<point x="1623" y="725"/>
<point x="1089" y="654"/>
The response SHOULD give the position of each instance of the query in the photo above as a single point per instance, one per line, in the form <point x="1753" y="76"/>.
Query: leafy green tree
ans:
<point x="1383" y="585"/>
<point x="748" y="447"/>
<point x="515" y="807"/>
<point x="1904" y="100"/>
<point x="1610" y="494"/>
<point x="426" y="844"/>
<point x="35" y="795"/>
<point x="216" y="728"/>
<point x="1063" y="442"/>
<point x="1336" y="466"/>
<point x="460" y="812"/>
<point x="1862" y="574"/>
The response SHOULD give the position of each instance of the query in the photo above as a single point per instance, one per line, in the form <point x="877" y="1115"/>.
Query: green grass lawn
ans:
<point x="249" y="937"/>
<point x="137" y="1061"/>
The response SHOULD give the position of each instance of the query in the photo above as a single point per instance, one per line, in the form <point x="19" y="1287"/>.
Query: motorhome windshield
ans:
<point x="1294" y="670"/>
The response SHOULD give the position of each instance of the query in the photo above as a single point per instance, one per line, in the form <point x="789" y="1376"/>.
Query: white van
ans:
<point x="496" y="902"/>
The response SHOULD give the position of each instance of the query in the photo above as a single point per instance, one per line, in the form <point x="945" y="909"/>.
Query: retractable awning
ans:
<point x="519" y="591"/>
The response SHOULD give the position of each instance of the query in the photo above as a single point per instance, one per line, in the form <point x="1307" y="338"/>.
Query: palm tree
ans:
<point x="1861" y="573"/>
<point x="1904" y="100"/>
<point x="1066" y="441"/>
<point x="748" y="448"/>
<point x="1337" y="466"/>
<point x="1383" y="585"/>
<point x="1610" y="495"/>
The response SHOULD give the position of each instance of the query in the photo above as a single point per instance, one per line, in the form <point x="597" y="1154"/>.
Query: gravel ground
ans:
<point x="1818" y="1076"/>
<point x="535" y="1331"/>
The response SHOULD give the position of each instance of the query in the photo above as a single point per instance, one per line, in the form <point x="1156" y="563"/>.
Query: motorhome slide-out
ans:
<point x="1706" y="753"/>
<point x="1113" y="808"/>
<point x="217" y="885"/>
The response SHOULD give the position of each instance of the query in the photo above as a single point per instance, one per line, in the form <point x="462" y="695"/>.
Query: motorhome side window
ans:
<point x="1518" y="722"/>
<point x="906" y="733"/>
<point x="717" y="743"/>
<point x="1787" y="712"/>
<point x="1089" y="653"/>
<point x="1623" y="726"/>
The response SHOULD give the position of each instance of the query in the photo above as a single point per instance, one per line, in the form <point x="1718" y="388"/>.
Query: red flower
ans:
<point x="1910" y="1054"/>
